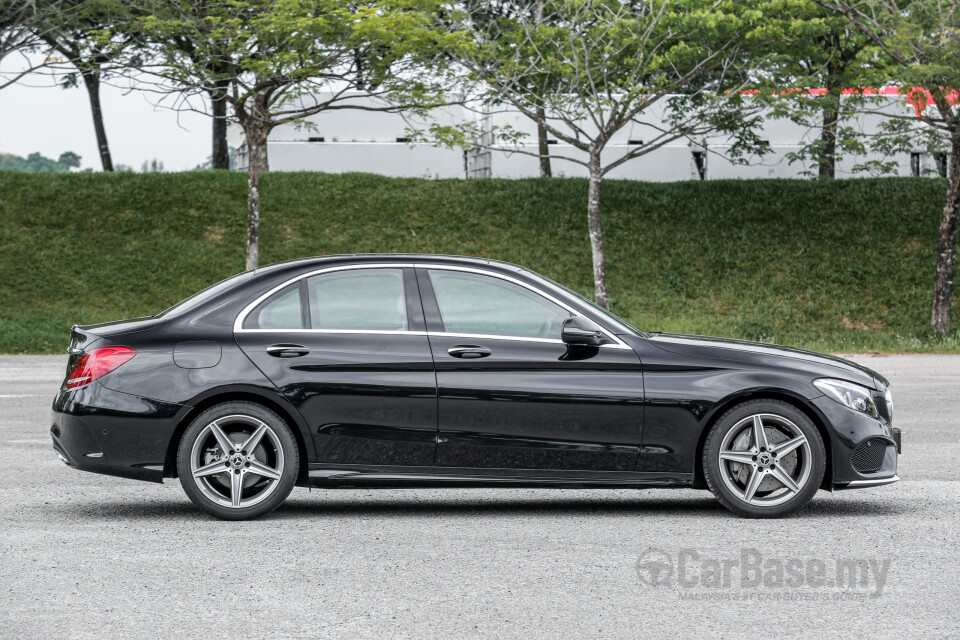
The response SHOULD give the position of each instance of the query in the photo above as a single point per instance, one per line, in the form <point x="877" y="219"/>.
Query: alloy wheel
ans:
<point x="237" y="461"/>
<point x="765" y="459"/>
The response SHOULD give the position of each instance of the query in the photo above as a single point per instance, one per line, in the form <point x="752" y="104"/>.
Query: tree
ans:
<point x="16" y="33"/>
<point x="820" y="57"/>
<point x="93" y="35"/>
<point x="922" y="38"/>
<point x="152" y="166"/>
<point x="22" y="25"/>
<point x="37" y="163"/>
<point x="585" y="69"/>
<point x="280" y="61"/>
<point x="484" y="16"/>
<point x="216" y="93"/>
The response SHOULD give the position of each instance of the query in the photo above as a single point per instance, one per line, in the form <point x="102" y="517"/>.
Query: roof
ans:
<point x="402" y="257"/>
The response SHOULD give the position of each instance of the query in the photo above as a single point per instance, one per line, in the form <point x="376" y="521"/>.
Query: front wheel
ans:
<point x="763" y="459"/>
<point x="238" y="460"/>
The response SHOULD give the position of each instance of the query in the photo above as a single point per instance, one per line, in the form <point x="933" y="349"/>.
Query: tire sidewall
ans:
<point x="284" y="436"/>
<point x="711" y="454"/>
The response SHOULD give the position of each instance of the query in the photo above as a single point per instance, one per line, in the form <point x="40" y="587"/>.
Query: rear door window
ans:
<point x="358" y="300"/>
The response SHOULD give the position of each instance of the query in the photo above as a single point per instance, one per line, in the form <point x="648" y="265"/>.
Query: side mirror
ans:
<point x="578" y="330"/>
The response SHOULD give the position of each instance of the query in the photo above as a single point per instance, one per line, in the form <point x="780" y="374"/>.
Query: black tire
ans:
<point x="736" y="419"/>
<point x="236" y="420"/>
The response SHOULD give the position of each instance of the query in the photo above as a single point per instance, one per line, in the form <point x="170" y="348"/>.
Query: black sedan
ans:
<point x="413" y="370"/>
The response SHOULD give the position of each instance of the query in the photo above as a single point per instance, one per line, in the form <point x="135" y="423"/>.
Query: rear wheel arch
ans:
<point x="203" y="403"/>
<point x="799" y="403"/>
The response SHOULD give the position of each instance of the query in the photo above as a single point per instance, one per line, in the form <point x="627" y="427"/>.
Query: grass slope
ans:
<point x="837" y="266"/>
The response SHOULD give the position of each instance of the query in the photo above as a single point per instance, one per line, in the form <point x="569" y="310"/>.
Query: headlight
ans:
<point x="889" y="398"/>
<point x="853" y="395"/>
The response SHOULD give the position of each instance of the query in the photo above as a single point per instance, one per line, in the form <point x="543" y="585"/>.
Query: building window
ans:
<point x="941" y="161"/>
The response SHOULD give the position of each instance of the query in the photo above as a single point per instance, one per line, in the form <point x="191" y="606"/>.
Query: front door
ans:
<point x="347" y="347"/>
<point x="511" y="393"/>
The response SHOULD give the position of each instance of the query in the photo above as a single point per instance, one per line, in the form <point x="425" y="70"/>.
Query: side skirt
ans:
<point x="345" y="476"/>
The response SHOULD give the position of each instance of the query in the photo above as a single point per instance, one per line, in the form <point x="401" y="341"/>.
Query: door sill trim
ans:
<point x="333" y="475"/>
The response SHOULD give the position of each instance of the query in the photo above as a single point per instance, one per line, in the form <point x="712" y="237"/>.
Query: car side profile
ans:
<point x="440" y="371"/>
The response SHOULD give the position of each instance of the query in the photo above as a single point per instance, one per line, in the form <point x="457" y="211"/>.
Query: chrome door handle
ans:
<point x="468" y="351"/>
<point x="287" y="350"/>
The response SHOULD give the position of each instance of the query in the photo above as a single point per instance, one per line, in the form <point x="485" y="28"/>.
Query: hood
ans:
<point x="747" y="350"/>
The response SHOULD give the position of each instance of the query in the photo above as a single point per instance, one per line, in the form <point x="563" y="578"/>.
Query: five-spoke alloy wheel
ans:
<point x="764" y="458"/>
<point x="238" y="460"/>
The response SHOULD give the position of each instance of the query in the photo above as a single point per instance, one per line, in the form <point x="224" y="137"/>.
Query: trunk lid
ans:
<point x="87" y="336"/>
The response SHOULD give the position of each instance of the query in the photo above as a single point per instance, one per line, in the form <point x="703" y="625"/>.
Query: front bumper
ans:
<point x="863" y="484"/>
<point x="864" y="450"/>
<point x="104" y="431"/>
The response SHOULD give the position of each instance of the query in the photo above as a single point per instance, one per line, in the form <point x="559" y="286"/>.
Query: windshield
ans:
<point x="621" y="325"/>
<point x="202" y="296"/>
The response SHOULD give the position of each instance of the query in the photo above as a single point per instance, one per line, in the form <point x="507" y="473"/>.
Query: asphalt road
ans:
<point x="83" y="555"/>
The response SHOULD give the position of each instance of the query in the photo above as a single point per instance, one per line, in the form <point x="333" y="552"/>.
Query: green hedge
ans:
<point x="838" y="266"/>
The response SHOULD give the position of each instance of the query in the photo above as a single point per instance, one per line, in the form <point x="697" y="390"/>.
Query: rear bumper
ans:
<point x="103" y="431"/>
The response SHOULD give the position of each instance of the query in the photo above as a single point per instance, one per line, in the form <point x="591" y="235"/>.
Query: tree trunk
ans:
<point x="545" y="171"/>
<point x="220" y="156"/>
<point x="946" y="244"/>
<point x="91" y="79"/>
<point x="828" y="134"/>
<point x="544" y="149"/>
<point x="828" y="137"/>
<point x="596" y="237"/>
<point x="257" y="150"/>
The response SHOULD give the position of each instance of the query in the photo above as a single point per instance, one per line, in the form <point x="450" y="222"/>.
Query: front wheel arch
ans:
<point x="170" y="459"/>
<point x="700" y="481"/>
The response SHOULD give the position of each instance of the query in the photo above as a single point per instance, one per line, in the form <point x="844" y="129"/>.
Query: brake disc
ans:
<point x="774" y="437"/>
<point x="222" y="480"/>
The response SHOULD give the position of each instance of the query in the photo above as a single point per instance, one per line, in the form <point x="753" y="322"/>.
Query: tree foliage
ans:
<point x="23" y="25"/>
<point x="922" y="39"/>
<point x="585" y="69"/>
<point x="279" y="61"/>
<point x="820" y="76"/>
<point x="37" y="163"/>
<point x="87" y="42"/>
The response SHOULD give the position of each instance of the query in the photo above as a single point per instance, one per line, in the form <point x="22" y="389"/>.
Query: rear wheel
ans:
<point x="763" y="459"/>
<point x="238" y="460"/>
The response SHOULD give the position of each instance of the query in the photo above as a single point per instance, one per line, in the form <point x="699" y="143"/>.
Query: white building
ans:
<point x="351" y="140"/>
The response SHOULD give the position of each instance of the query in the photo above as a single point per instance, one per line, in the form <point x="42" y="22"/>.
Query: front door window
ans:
<point x="484" y="305"/>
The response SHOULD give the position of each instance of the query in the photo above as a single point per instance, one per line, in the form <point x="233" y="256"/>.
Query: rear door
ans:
<point x="347" y="346"/>
<point x="511" y="393"/>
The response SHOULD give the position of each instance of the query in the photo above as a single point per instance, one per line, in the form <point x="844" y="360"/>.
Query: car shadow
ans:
<point x="330" y="505"/>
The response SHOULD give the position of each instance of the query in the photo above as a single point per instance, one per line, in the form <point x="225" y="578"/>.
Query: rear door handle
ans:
<point x="468" y="351"/>
<point x="287" y="350"/>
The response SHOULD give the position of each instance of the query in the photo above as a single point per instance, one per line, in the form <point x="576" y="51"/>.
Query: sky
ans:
<point x="35" y="116"/>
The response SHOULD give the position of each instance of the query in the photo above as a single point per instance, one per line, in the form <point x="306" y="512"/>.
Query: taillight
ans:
<point x="97" y="363"/>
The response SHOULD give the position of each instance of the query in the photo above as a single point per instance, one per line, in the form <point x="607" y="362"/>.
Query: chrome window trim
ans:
<point x="384" y="332"/>
<point x="618" y="344"/>
<point x="238" y="323"/>
<point x="488" y="336"/>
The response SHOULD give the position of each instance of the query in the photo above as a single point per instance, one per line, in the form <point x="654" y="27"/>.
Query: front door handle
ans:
<point x="468" y="351"/>
<point x="287" y="350"/>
